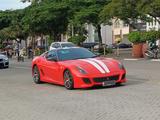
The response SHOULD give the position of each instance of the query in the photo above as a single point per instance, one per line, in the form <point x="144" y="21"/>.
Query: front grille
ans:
<point x="103" y="79"/>
<point x="1" y="64"/>
<point x="1" y="60"/>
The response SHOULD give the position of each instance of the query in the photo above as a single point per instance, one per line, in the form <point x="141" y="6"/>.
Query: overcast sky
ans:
<point x="12" y="4"/>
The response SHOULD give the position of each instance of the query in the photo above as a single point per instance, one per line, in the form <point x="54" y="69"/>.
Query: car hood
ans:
<point x="2" y="56"/>
<point x="99" y="65"/>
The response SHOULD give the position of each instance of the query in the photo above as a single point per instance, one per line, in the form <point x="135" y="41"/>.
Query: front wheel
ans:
<point x="68" y="80"/>
<point x="149" y="54"/>
<point x="36" y="75"/>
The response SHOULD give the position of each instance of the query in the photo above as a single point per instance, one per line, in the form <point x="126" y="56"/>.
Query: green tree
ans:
<point x="47" y="18"/>
<point x="150" y="7"/>
<point x="87" y="11"/>
<point x="5" y="19"/>
<point x="125" y="10"/>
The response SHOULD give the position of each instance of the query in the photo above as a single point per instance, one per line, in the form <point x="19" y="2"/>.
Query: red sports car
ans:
<point x="77" y="68"/>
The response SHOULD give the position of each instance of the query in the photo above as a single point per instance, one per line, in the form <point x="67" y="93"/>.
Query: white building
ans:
<point x="153" y="25"/>
<point x="110" y="34"/>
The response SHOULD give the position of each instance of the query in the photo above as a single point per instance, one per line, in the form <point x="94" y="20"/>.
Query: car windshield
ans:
<point x="68" y="45"/>
<point x="74" y="53"/>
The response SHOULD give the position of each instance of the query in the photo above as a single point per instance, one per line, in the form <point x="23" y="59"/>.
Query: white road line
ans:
<point x="131" y="59"/>
<point x="155" y="60"/>
<point x="27" y="68"/>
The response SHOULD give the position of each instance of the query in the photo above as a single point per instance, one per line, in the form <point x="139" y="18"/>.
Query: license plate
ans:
<point x="109" y="83"/>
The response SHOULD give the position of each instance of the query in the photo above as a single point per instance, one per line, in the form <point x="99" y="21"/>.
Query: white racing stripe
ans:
<point x="102" y="65"/>
<point x="95" y="65"/>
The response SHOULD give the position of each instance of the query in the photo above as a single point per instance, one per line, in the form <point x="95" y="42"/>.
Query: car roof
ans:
<point x="67" y="48"/>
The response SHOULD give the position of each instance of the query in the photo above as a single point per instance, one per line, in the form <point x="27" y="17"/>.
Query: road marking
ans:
<point x="155" y="60"/>
<point x="131" y="59"/>
<point x="27" y="68"/>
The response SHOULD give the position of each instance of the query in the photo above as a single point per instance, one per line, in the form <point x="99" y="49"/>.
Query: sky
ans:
<point x="12" y="4"/>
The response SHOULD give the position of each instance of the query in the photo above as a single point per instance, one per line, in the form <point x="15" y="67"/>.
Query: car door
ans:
<point x="52" y="67"/>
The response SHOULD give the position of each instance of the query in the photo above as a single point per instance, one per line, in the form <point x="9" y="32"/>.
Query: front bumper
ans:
<point x="4" y="63"/>
<point x="98" y="80"/>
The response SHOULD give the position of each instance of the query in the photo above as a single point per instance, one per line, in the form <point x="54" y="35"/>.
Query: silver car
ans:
<point x="4" y="61"/>
<point x="56" y="45"/>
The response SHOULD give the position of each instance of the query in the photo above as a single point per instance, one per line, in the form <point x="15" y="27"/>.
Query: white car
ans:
<point x="4" y="61"/>
<point x="56" y="45"/>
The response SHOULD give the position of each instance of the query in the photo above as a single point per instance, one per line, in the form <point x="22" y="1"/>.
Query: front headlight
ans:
<point x="81" y="70"/>
<point x="5" y="58"/>
<point x="121" y="66"/>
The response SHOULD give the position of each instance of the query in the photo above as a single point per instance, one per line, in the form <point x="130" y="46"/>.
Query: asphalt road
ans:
<point x="138" y="99"/>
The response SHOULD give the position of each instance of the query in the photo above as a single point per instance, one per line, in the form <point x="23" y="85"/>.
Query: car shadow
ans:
<point x="131" y="80"/>
<point x="2" y="68"/>
<point x="134" y="80"/>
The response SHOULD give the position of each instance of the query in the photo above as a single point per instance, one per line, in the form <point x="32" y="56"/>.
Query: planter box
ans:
<point x="137" y="50"/>
<point x="144" y="48"/>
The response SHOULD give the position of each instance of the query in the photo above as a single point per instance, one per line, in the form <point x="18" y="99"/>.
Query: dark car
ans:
<point x="124" y="45"/>
<point x="89" y="45"/>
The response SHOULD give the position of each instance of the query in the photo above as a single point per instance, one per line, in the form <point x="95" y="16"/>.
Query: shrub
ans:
<point x="107" y="50"/>
<point x="134" y="37"/>
<point x="152" y="36"/>
<point x="140" y="37"/>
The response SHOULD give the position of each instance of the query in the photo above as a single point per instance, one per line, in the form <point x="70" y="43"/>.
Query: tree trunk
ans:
<point x="57" y="37"/>
<point x="99" y="35"/>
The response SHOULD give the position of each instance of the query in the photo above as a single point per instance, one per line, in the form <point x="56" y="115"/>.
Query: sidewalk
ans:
<point x="123" y="54"/>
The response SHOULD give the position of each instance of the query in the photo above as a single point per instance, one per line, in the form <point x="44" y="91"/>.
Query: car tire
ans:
<point x="68" y="80"/>
<point x="36" y="75"/>
<point x="7" y="67"/>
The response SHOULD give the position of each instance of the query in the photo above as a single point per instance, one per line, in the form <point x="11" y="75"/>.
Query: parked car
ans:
<point x="56" y="45"/>
<point x="4" y="61"/>
<point x="111" y="46"/>
<point x="89" y="45"/>
<point x="124" y="45"/>
<point x="121" y="45"/>
<point x="77" y="67"/>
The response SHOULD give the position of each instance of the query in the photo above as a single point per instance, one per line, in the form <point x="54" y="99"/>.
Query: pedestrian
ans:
<point x="22" y="54"/>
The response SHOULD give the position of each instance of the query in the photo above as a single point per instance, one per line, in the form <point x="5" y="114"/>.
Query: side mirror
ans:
<point x="54" y="58"/>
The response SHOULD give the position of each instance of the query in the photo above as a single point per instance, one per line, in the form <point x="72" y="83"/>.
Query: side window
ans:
<point x="51" y="54"/>
<point x="56" y="45"/>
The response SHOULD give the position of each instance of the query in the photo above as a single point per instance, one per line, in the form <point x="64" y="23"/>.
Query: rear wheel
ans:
<point x="68" y="80"/>
<point x="7" y="66"/>
<point x="36" y="75"/>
